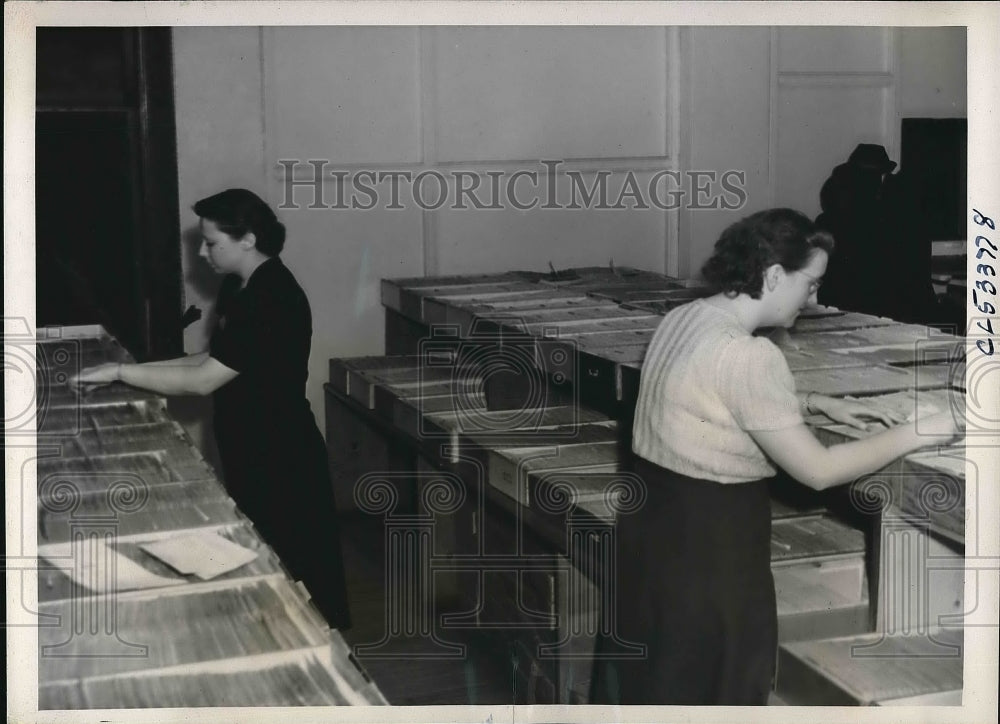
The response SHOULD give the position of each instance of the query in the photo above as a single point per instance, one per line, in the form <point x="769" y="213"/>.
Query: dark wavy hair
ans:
<point x="238" y="211"/>
<point x="748" y="247"/>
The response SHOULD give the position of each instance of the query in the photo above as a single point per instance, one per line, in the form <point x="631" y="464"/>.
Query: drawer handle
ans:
<point x="594" y="373"/>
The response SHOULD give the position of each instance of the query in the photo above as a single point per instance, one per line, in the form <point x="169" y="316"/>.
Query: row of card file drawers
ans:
<point x="571" y="454"/>
<point x="829" y="351"/>
<point x="119" y="628"/>
<point x="593" y="334"/>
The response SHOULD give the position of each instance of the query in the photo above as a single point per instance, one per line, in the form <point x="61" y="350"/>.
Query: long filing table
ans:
<point x="118" y="480"/>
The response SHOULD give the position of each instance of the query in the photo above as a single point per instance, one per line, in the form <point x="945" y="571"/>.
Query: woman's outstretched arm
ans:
<point x="797" y="451"/>
<point x="192" y="375"/>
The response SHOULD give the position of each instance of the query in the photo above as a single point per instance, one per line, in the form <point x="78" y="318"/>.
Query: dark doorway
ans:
<point x="107" y="229"/>
<point x="934" y="156"/>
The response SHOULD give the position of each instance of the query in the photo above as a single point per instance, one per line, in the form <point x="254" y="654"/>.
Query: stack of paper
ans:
<point x="205" y="554"/>
<point x="96" y="566"/>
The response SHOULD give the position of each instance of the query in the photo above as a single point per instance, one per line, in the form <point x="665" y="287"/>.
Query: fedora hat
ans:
<point x="871" y="156"/>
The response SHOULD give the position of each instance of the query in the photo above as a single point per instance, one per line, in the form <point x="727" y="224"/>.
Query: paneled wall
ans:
<point x="726" y="124"/>
<point x="615" y="105"/>
<point x="788" y="104"/>
<point x="489" y="102"/>
<point x="835" y="89"/>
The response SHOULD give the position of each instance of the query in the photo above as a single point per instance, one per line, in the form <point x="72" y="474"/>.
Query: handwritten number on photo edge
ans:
<point x="983" y="220"/>
<point x="982" y="285"/>
<point x="982" y="306"/>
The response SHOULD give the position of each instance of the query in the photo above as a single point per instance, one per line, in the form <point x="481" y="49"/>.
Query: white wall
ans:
<point x="220" y="139"/>
<point x="932" y="72"/>
<point x="784" y="106"/>
<point x="220" y="144"/>
<point x="420" y="99"/>
<point x="788" y="104"/>
<point x="726" y="116"/>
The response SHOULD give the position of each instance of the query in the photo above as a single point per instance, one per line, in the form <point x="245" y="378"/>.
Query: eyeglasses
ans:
<point x="814" y="282"/>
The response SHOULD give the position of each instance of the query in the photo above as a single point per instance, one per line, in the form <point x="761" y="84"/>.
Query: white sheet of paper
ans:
<point x="924" y="409"/>
<point x="204" y="554"/>
<point x="97" y="567"/>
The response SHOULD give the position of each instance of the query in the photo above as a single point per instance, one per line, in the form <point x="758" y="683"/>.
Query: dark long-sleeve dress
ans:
<point x="273" y="455"/>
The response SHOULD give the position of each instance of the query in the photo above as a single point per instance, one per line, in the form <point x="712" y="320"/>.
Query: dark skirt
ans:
<point x="281" y="482"/>
<point x="694" y="586"/>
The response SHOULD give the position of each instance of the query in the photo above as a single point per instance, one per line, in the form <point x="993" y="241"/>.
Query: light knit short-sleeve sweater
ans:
<point x="706" y="381"/>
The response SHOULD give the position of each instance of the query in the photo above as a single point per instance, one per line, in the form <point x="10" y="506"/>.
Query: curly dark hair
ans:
<point x="748" y="247"/>
<point x="238" y="211"/>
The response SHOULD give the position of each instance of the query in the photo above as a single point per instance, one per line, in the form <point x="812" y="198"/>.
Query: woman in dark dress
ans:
<point x="273" y="455"/>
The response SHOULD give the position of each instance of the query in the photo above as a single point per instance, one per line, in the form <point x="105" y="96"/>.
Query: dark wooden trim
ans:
<point x="86" y="75"/>
<point x="160" y="248"/>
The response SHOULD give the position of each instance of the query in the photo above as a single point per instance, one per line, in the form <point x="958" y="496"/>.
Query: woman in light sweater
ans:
<point x="717" y="413"/>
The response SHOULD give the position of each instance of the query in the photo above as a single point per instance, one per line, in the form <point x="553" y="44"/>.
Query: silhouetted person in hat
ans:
<point x="882" y="262"/>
